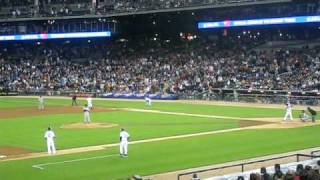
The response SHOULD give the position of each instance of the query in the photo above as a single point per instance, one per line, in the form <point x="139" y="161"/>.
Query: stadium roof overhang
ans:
<point x="235" y="4"/>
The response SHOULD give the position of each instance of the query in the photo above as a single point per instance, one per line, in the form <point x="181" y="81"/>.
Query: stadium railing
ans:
<point x="258" y="96"/>
<point x="244" y="165"/>
<point x="315" y="153"/>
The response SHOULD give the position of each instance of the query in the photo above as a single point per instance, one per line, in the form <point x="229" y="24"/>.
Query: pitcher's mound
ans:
<point x="88" y="125"/>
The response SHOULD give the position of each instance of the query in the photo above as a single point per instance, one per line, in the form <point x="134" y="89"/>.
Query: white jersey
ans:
<point x="305" y="116"/>
<point x="289" y="108"/>
<point x="49" y="135"/>
<point x="124" y="136"/>
<point x="89" y="101"/>
<point x="41" y="99"/>
<point x="86" y="110"/>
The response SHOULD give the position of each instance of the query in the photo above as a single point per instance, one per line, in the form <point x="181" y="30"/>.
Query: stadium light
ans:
<point x="259" y="22"/>
<point x="54" y="36"/>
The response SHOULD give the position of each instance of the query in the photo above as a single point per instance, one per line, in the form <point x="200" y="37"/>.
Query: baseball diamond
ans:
<point x="159" y="90"/>
<point x="167" y="128"/>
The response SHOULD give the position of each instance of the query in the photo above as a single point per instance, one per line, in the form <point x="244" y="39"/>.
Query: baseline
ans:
<point x="41" y="166"/>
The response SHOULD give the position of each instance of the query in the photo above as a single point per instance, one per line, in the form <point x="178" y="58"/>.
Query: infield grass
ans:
<point x="27" y="132"/>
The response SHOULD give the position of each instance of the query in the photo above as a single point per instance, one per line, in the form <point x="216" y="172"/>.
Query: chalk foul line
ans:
<point x="267" y="119"/>
<point x="41" y="166"/>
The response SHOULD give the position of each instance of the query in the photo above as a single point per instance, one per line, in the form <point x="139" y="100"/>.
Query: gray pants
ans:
<point x="41" y="105"/>
<point x="86" y="117"/>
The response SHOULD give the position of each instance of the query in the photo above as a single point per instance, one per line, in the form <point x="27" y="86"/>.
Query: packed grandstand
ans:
<point x="157" y="67"/>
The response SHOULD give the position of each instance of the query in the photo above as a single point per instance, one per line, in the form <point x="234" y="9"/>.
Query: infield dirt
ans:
<point x="6" y="113"/>
<point x="13" y="151"/>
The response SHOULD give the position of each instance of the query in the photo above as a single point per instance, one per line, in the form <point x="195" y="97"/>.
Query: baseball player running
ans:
<point x="288" y="112"/>
<point x="86" y="114"/>
<point x="124" y="138"/>
<point x="49" y="136"/>
<point x="41" y="102"/>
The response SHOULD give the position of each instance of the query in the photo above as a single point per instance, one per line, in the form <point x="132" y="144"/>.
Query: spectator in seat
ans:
<point x="254" y="176"/>
<point x="278" y="175"/>
<point x="264" y="174"/>
<point x="304" y="175"/>
<point x="317" y="166"/>
<point x="289" y="175"/>
<point x="195" y="177"/>
<point x="299" y="171"/>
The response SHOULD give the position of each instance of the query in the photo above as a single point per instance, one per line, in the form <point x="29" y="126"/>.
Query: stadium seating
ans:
<point x="167" y="69"/>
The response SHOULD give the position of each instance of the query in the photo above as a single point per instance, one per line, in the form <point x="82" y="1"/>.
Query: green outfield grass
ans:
<point x="147" y="158"/>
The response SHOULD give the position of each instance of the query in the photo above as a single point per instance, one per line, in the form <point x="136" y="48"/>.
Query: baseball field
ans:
<point x="168" y="136"/>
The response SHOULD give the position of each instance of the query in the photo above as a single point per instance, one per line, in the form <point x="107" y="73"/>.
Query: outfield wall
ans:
<point x="311" y="98"/>
<point x="305" y="98"/>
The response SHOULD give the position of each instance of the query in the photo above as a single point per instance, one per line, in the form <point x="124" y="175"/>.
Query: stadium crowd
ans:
<point x="278" y="172"/>
<point x="49" y="8"/>
<point x="157" y="67"/>
<point x="301" y="173"/>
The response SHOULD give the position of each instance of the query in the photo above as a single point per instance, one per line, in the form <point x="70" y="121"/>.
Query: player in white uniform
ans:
<point x="41" y="102"/>
<point x="89" y="102"/>
<point x="304" y="116"/>
<point x="86" y="114"/>
<point x="49" y="136"/>
<point x="148" y="101"/>
<point x="124" y="138"/>
<point x="288" y="112"/>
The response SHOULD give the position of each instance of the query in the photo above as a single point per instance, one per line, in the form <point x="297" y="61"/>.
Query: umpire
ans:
<point x="313" y="114"/>
<point x="74" y="100"/>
